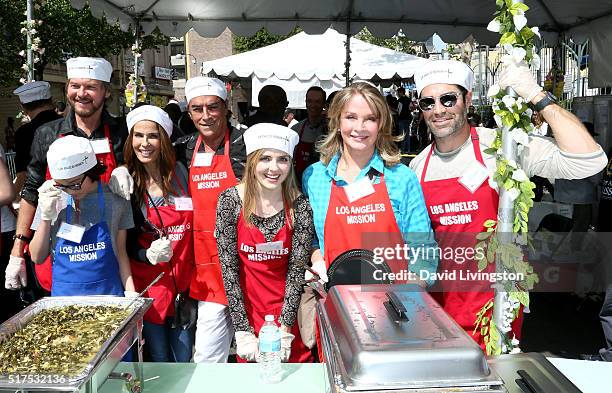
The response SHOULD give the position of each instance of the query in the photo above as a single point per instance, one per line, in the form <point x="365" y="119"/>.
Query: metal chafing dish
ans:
<point x="396" y="338"/>
<point x="101" y="366"/>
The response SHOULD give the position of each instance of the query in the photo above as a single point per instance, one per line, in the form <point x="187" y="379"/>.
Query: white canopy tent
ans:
<point x="305" y="60"/>
<point x="454" y="20"/>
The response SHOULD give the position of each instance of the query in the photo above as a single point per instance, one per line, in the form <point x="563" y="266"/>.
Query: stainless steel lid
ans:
<point x="397" y="336"/>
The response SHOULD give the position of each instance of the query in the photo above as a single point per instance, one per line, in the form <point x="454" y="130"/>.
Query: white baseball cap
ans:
<point x="89" y="68"/>
<point x="205" y="86"/>
<point x="70" y="156"/>
<point x="451" y="72"/>
<point x="270" y="136"/>
<point x="152" y="113"/>
<point x="33" y="91"/>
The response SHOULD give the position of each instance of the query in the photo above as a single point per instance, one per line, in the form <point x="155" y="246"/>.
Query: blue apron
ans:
<point x="89" y="267"/>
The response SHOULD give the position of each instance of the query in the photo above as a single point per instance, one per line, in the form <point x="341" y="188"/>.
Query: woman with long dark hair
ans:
<point x="161" y="241"/>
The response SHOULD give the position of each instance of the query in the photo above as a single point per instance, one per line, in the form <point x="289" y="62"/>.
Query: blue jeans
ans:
<point x="166" y="344"/>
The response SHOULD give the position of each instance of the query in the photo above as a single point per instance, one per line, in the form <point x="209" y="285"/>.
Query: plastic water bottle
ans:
<point x="269" y="351"/>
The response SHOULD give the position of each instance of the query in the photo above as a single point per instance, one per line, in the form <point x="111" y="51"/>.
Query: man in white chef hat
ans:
<point x="37" y="104"/>
<point x="456" y="170"/>
<point x="215" y="156"/>
<point x="87" y="90"/>
<point x="86" y="229"/>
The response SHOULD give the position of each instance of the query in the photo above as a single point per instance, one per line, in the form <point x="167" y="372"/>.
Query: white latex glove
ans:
<point x="160" y="250"/>
<point x="247" y="346"/>
<point x="48" y="200"/>
<point x="130" y="294"/>
<point x="521" y="80"/>
<point x="121" y="182"/>
<point x="320" y="268"/>
<point x="286" y="339"/>
<point x="15" y="275"/>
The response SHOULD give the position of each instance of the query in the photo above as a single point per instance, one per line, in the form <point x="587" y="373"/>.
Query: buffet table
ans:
<point x="222" y="378"/>
<point x="590" y="377"/>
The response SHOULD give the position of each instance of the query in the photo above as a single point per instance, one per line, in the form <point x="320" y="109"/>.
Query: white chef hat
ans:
<point x="451" y="72"/>
<point x="205" y="86"/>
<point x="270" y="136"/>
<point x="70" y="156"/>
<point x="89" y="68"/>
<point x="33" y="91"/>
<point x="152" y="113"/>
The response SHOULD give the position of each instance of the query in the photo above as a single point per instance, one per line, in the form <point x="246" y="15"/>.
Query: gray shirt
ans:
<point x="118" y="214"/>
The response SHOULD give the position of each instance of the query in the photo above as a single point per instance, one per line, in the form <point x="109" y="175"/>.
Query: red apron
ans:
<point x="43" y="270"/>
<point x="302" y="153"/>
<point x="178" y="271"/>
<point x="262" y="280"/>
<point x="205" y="185"/>
<point x="381" y="230"/>
<point x="458" y="229"/>
<point x="377" y="226"/>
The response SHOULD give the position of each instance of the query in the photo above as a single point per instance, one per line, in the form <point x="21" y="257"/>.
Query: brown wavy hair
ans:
<point x="251" y="189"/>
<point x="167" y="162"/>
<point x="385" y="142"/>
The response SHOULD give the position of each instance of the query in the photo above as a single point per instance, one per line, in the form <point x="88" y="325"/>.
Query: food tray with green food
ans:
<point x="59" y="341"/>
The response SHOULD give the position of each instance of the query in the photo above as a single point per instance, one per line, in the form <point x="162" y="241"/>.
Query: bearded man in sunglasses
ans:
<point x="457" y="174"/>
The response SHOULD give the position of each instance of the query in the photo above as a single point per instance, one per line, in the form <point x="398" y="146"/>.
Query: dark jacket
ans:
<point x="185" y="146"/>
<point x="48" y="133"/>
<point x="25" y="135"/>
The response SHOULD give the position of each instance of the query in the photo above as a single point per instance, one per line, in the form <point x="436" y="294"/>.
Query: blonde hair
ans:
<point x="385" y="141"/>
<point x="251" y="189"/>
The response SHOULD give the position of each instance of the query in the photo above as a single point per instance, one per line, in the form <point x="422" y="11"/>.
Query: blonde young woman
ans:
<point x="360" y="187"/>
<point x="264" y="234"/>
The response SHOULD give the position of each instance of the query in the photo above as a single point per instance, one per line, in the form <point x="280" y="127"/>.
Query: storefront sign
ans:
<point x="163" y="73"/>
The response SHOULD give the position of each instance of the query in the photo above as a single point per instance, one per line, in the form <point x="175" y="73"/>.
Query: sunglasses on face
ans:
<point x="73" y="187"/>
<point x="448" y="100"/>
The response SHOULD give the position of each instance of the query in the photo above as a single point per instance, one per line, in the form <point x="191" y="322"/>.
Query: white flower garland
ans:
<point x="37" y="49"/>
<point x="517" y="41"/>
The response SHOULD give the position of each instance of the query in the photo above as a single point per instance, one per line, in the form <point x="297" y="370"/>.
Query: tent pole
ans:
<point x="505" y="221"/>
<point x="136" y="58"/>
<point x="347" y="61"/>
<point x="30" y="54"/>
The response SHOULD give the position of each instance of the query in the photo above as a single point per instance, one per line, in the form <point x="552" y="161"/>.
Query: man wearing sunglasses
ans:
<point x="457" y="174"/>
<point x="215" y="156"/>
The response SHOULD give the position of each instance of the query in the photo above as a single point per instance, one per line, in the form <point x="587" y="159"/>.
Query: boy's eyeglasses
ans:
<point x="448" y="100"/>
<point x="73" y="187"/>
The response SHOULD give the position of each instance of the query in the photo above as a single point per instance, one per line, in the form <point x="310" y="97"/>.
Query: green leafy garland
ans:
<point x="517" y="40"/>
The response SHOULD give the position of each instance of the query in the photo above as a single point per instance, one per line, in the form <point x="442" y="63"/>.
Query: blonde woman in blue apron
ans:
<point x="83" y="223"/>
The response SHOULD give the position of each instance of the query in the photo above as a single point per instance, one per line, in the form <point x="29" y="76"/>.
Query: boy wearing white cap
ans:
<point x="86" y="232"/>
<point x="265" y="229"/>
<point x="455" y="170"/>
<point x="215" y="157"/>
<point x="87" y="90"/>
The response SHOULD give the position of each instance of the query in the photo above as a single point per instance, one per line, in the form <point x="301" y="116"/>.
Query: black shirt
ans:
<point x="48" y="133"/>
<point x="25" y="135"/>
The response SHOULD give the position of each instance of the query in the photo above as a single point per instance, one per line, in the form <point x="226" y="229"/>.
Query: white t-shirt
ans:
<point x="541" y="157"/>
<point x="7" y="218"/>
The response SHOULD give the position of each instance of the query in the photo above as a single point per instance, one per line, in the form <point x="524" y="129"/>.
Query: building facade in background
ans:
<point x="188" y="53"/>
